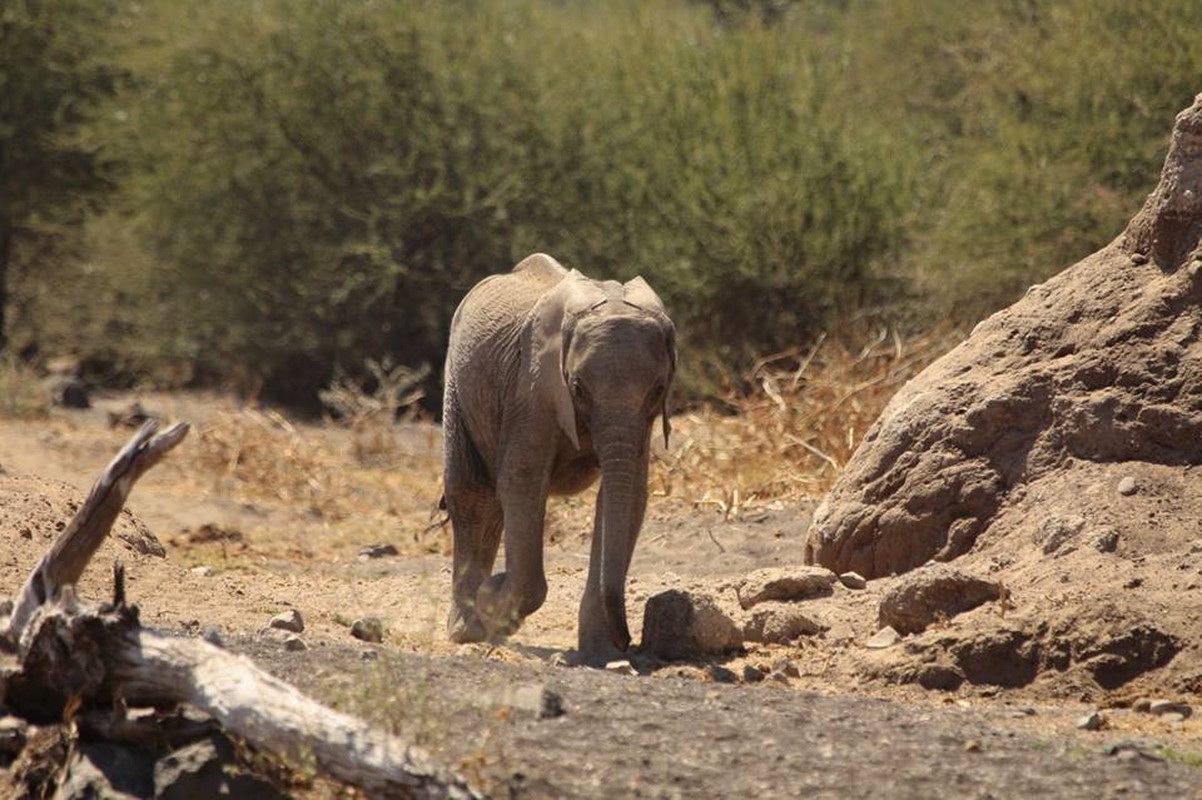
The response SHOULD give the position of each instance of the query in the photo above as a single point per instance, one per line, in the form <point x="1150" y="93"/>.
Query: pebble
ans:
<point x="533" y="698"/>
<point x="1139" y="258"/>
<point x="289" y="620"/>
<point x="202" y="572"/>
<point x="1106" y="540"/>
<point x="377" y="551"/>
<point x="212" y="635"/>
<point x="1091" y="722"/>
<point x="622" y="667"/>
<point x="369" y="655"/>
<point x="972" y="746"/>
<point x="853" y="580"/>
<point x="294" y="643"/>
<point x="752" y="674"/>
<point x="1127" y="486"/>
<point x="1163" y="707"/>
<point x="885" y="637"/>
<point x="368" y="629"/>
<point x="720" y="674"/>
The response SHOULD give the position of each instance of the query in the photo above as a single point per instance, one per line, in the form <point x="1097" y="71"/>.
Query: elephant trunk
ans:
<point x="623" y="501"/>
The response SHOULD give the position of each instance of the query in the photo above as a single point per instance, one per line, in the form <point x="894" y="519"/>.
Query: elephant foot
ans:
<point x="499" y="607"/>
<point x="464" y="627"/>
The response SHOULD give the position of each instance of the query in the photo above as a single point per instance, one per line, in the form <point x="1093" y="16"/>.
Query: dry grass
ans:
<point x="787" y="436"/>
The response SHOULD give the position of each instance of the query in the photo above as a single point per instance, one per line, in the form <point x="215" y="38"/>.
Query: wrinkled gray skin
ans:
<point x="551" y="379"/>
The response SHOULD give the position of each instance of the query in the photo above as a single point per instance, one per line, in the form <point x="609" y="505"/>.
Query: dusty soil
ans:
<point x="833" y="718"/>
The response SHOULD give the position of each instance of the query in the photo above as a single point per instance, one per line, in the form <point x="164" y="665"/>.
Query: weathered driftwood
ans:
<point x="70" y="658"/>
<point x="73" y="549"/>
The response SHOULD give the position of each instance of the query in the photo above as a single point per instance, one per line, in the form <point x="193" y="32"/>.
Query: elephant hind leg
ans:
<point x="476" y="524"/>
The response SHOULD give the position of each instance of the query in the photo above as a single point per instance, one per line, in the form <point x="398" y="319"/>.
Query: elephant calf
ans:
<point x="551" y="379"/>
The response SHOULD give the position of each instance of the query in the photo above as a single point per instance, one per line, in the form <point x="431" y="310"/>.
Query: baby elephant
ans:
<point x="551" y="379"/>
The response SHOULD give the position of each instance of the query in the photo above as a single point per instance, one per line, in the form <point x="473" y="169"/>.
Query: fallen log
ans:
<point x="62" y="658"/>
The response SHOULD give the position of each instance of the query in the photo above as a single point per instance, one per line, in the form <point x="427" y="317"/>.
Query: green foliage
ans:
<point x="308" y="185"/>
<point x="53" y="73"/>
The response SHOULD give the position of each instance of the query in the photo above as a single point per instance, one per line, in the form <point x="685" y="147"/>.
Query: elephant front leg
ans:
<point x="476" y="525"/>
<point x="507" y="598"/>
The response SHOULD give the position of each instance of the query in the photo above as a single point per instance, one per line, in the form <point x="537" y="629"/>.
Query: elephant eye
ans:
<point x="578" y="390"/>
<point x="657" y="392"/>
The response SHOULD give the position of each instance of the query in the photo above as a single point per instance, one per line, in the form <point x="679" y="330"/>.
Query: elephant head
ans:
<point x="603" y="360"/>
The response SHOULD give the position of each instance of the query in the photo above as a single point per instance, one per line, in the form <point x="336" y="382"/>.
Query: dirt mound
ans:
<point x="1056" y="452"/>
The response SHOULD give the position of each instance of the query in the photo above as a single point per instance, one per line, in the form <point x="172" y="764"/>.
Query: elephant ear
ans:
<point x="548" y="325"/>
<point x="670" y="341"/>
<point x="638" y="293"/>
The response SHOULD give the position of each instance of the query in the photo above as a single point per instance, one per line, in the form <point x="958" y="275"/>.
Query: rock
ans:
<point x="1093" y="721"/>
<point x="972" y="746"/>
<point x="294" y="643"/>
<point x="720" y="674"/>
<point x="212" y="635"/>
<point x="105" y="771"/>
<point x="1163" y="707"/>
<point x="1084" y="368"/>
<point x="377" y="551"/>
<point x="681" y="625"/>
<point x="369" y="655"/>
<point x="207" y="768"/>
<point x="752" y="674"/>
<point x="621" y="667"/>
<point x="885" y="637"/>
<point x="1143" y="705"/>
<point x="368" y="629"/>
<point x="937" y="591"/>
<point x="1106" y="540"/>
<point x="779" y="623"/>
<point x="777" y="583"/>
<point x="1127" y="486"/>
<point x="787" y="668"/>
<point x="289" y="620"/>
<point x="531" y="698"/>
<point x="853" y="580"/>
<point x="69" y="392"/>
<point x="1057" y="534"/>
<point x="202" y="572"/>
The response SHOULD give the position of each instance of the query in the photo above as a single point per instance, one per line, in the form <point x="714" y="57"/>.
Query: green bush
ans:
<point x="306" y="184"/>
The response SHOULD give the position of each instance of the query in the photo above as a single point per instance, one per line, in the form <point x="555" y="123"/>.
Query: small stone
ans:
<point x="1127" y="486"/>
<point x="775" y="583"/>
<point x="212" y="635"/>
<point x="885" y="637"/>
<point x="202" y="572"/>
<point x="560" y="660"/>
<point x="1163" y="707"/>
<point x="294" y="643"/>
<point x="532" y="698"/>
<point x="720" y="674"/>
<point x="289" y="620"/>
<point x="853" y="580"/>
<point x="972" y="746"/>
<point x="680" y="625"/>
<point x="368" y="629"/>
<point x="933" y="592"/>
<point x="1139" y="258"/>
<point x="776" y="676"/>
<point x="1106" y="540"/>
<point x="369" y="655"/>
<point x="1143" y="705"/>
<point x="1092" y="721"/>
<point x="752" y="674"/>
<point x="1195" y="546"/>
<point x="787" y="668"/>
<point x="779" y="623"/>
<point x="377" y="551"/>
<point x="622" y="667"/>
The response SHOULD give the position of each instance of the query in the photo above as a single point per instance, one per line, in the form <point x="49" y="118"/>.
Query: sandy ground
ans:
<point x="839" y="720"/>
